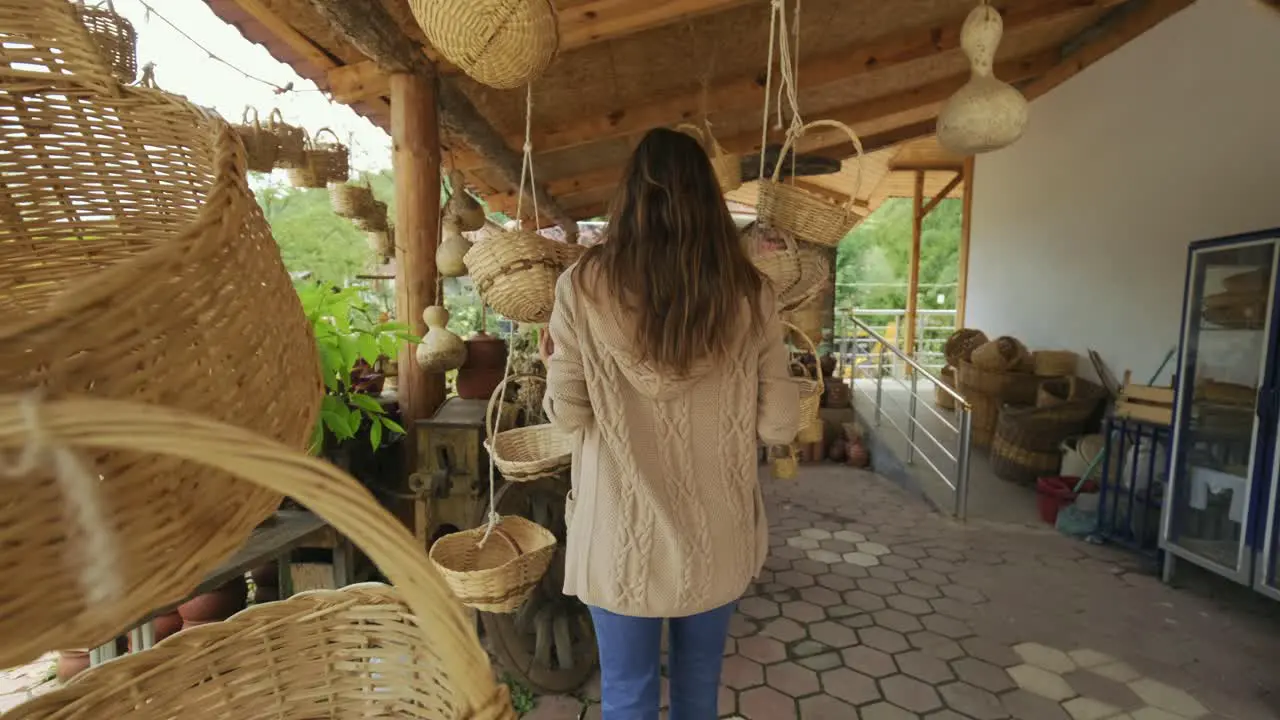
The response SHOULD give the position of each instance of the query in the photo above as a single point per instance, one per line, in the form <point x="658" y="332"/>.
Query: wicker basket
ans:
<point x="810" y="386"/>
<point x="349" y="200"/>
<point x="961" y="344"/>
<point x="322" y="163"/>
<point x="504" y="44"/>
<point x="261" y="148"/>
<point x="114" y="37"/>
<point x="381" y="242"/>
<point x="943" y="399"/>
<point x="1028" y="440"/>
<point x="806" y="215"/>
<point x="170" y="293"/>
<point x="290" y="140"/>
<point x="781" y="266"/>
<point x="727" y="166"/>
<point x="1003" y="353"/>
<point x="526" y="453"/>
<point x="1055" y="363"/>
<point x="497" y="575"/>
<point x="815" y="278"/>
<point x="407" y="651"/>
<point x="516" y="272"/>
<point x="1019" y="465"/>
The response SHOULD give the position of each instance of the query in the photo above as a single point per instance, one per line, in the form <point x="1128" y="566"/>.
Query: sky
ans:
<point x="183" y="68"/>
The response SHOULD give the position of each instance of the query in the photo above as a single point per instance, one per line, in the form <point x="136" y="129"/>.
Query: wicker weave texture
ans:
<point x="516" y="272"/>
<point x="134" y="263"/>
<point x="115" y="38"/>
<point x="810" y="387"/>
<point x="504" y="44"/>
<point x="526" y="453"/>
<point x="364" y="651"/>
<point x="808" y="216"/>
<point x="496" y="576"/>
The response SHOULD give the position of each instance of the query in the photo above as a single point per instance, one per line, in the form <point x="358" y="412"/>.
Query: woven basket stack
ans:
<point x="1028" y="440"/>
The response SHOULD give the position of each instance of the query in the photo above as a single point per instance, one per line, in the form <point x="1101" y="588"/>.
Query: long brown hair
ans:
<point x="672" y="256"/>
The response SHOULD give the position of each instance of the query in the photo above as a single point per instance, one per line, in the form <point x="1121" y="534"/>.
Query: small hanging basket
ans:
<point x="499" y="574"/>
<point x="815" y="276"/>
<point x="516" y="272"/>
<point x="291" y="141"/>
<point x="780" y="266"/>
<point x="261" y="148"/>
<point x="526" y="453"/>
<point x="728" y="167"/>
<point x="323" y="163"/>
<point x="381" y="242"/>
<point x="808" y="216"/>
<point x="350" y="200"/>
<point x="374" y="219"/>
<point x="810" y="386"/>
<point x="504" y="44"/>
<point x="115" y="38"/>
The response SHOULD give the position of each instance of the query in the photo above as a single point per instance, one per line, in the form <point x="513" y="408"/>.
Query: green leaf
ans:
<point x="375" y="435"/>
<point x="337" y="424"/>
<point x="392" y="425"/>
<point x="350" y="353"/>
<point x="355" y="419"/>
<point x="366" y="403"/>
<point x="367" y="345"/>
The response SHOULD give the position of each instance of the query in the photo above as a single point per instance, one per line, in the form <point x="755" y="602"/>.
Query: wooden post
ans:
<point x="966" y="218"/>
<point x="415" y="137"/>
<point x="913" y="282"/>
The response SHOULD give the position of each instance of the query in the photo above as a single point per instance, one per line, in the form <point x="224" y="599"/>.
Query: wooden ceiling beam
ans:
<point x="927" y="166"/>
<point x="746" y="91"/>
<point x="601" y="20"/>
<point x="943" y="193"/>
<point x="369" y="28"/>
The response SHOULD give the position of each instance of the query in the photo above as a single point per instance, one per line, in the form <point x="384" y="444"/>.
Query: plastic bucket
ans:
<point x="1055" y="493"/>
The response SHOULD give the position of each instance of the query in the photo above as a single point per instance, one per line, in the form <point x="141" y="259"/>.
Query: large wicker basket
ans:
<point x="290" y="139"/>
<point x="364" y="651"/>
<point x="961" y="344"/>
<point x="525" y="453"/>
<point x="136" y="266"/>
<point x="114" y="36"/>
<point x="806" y="215"/>
<point x="1027" y="440"/>
<point x="516" y="272"/>
<point x="504" y="44"/>
<point x="815" y="278"/>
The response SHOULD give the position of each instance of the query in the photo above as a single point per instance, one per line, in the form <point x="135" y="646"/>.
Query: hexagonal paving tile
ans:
<point x="884" y="639"/>
<point x="916" y="588"/>
<point x="811" y="565"/>
<point x="825" y="556"/>
<point x="909" y="693"/>
<point x="1029" y="706"/>
<point x="740" y="673"/>
<point x="928" y="577"/>
<point x="788" y="552"/>
<point x="1051" y="659"/>
<point x="885" y="711"/>
<point x="1087" y="658"/>
<point x="839" y="583"/>
<point x="878" y="586"/>
<point x="837" y="546"/>
<point x="1041" y="682"/>
<point x="947" y="627"/>
<point x="869" y="661"/>
<point x="820" y="596"/>
<point x="1104" y="690"/>
<point x="824" y="661"/>
<point x="899" y="562"/>
<point x="991" y="651"/>
<point x="908" y="604"/>
<point x="784" y="629"/>
<point x="915" y="552"/>
<point x="802" y="611"/>
<point x="1167" y="697"/>
<point x="858" y="621"/>
<point x="1151" y="713"/>
<point x="983" y="674"/>
<point x="864" y="600"/>
<point x="936" y="645"/>
<point x="762" y="649"/>
<point x="758" y="608"/>
<point x="765" y="703"/>
<point x="884" y="572"/>
<point x="923" y="666"/>
<point x="972" y="701"/>
<point x="741" y="626"/>
<point x="850" y="571"/>
<point x="802" y="543"/>
<point x="833" y="634"/>
<point x="872" y="548"/>
<point x="963" y="594"/>
<point x="794" y="578"/>
<point x="792" y="679"/>
<point x="954" y="608"/>
<point x="897" y="620"/>
<point x="1083" y="708"/>
<point x="1118" y="671"/>
<point x="825" y="707"/>
<point x="728" y="701"/>
<point x="816" y="533"/>
<point x="941" y="566"/>
<point x="861" y="559"/>
<point x="849" y="536"/>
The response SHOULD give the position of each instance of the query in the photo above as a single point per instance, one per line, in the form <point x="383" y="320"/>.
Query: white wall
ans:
<point x="1079" y="230"/>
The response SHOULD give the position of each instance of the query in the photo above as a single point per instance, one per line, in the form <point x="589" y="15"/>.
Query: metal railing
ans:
<point x="882" y="386"/>
<point x="933" y="327"/>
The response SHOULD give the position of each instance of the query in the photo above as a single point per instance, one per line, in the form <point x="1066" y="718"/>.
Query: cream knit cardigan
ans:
<point x="665" y="517"/>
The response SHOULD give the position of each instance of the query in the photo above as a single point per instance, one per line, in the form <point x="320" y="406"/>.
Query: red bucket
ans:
<point x="1055" y="493"/>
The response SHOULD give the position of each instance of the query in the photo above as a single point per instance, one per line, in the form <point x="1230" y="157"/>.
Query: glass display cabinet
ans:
<point x="1221" y="512"/>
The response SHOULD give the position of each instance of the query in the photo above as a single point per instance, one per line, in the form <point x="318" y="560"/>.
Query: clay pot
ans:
<point x="837" y="452"/>
<point x="857" y="454"/>
<point x="167" y="624"/>
<point x="216" y="605"/>
<point x="484" y="368"/>
<point x="71" y="663"/>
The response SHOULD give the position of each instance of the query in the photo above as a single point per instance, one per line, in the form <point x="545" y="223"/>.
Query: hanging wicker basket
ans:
<point x="780" y="266"/>
<point x="281" y="659"/>
<point x="505" y="44"/>
<point x="499" y="574"/>
<point x="164" y="289"/>
<point x="808" y="216"/>
<point x="350" y="200"/>
<point x="815" y="279"/>
<point x="516" y="272"/>
<point x="810" y="385"/>
<point x="261" y="148"/>
<point x="291" y="141"/>
<point x="114" y="37"/>
<point x="727" y="166"/>
<point x="526" y="453"/>
<point x="382" y="242"/>
<point x="374" y="218"/>
<point x="323" y="163"/>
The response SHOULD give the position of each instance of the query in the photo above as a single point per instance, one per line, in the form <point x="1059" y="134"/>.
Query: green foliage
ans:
<point x="522" y="698"/>
<point x="349" y="329"/>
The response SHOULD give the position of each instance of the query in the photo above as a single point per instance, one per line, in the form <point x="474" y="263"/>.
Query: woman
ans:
<point x="666" y="361"/>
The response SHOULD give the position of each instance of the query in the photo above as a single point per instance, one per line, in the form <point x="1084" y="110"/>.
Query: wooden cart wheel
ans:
<point x="549" y="643"/>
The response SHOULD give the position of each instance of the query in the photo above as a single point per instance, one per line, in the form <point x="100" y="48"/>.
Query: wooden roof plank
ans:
<point x="602" y="20"/>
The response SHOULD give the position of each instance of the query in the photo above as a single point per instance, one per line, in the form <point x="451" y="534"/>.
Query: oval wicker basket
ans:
<point x="406" y="651"/>
<point x="525" y="453"/>
<point x="780" y="266"/>
<point x="806" y="215"/>
<point x="810" y="387"/>
<point x="1055" y="363"/>
<point x="170" y="293"/>
<point x="322" y="163"/>
<point x="114" y="37"/>
<point x="815" y="278"/>
<point x="350" y="200"/>
<point x="504" y="44"/>
<point x="374" y="219"/>
<point x="960" y="346"/>
<point x="261" y="148"/>
<point x="496" y="576"/>
<point x="943" y="399"/>
<point x="516" y="272"/>
<point x="1003" y="353"/>
<point x="727" y="166"/>
<point x="291" y="141"/>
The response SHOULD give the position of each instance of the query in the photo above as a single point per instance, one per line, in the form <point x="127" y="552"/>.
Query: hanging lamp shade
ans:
<point x="504" y="44"/>
<point x="986" y="114"/>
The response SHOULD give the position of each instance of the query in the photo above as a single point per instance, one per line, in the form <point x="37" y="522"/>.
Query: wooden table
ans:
<point x="274" y="540"/>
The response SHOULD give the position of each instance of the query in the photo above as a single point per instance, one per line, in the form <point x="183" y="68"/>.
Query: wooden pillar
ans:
<point x="913" y="281"/>
<point x="966" y="217"/>
<point x="415" y="137"/>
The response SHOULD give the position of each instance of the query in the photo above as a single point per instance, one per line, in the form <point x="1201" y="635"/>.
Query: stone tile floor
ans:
<point x="872" y="606"/>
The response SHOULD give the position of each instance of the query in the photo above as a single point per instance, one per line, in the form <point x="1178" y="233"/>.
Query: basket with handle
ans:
<point x="961" y="344"/>
<point x="815" y="277"/>
<point x="727" y="166"/>
<point x="350" y="200"/>
<point x="504" y="44"/>
<point x="781" y="266"/>
<point x="114" y="36"/>
<point x="810" y="386"/>
<point x="323" y="162"/>
<point x="806" y="215"/>
<point x="145" y="289"/>
<point x="290" y="139"/>
<point x="527" y="453"/>
<point x="373" y="219"/>
<point x="361" y="651"/>
<point x="516" y="272"/>
<point x="261" y="148"/>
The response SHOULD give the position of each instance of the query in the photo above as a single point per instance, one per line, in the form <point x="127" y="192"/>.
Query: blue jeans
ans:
<point x="630" y="650"/>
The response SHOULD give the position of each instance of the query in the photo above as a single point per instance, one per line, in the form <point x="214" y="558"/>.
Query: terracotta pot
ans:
<point x="836" y="395"/>
<point x="71" y="663"/>
<point x="216" y="605"/>
<point x="484" y="368"/>
<point x="857" y="454"/>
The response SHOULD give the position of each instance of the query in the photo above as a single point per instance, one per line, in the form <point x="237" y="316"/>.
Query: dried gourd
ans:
<point x="463" y="208"/>
<point x="440" y="350"/>
<point x="453" y="248"/>
<point x="987" y="113"/>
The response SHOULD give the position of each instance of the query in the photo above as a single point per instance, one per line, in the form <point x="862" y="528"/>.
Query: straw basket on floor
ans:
<point x="364" y="651"/>
<point x="525" y="453"/>
<point x="808" y="216"/>
<point x="516" y="272"/>
<point x="170" y="293"/>
<point x="504" y="44"/>
<point x="960" y="346"/>
<point x="943" y="399"/>
<point x="988" y="390"/>
<point x="1028" y="440"/>
<point x="727" y="166"/>
<point x="114" y="36"/>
